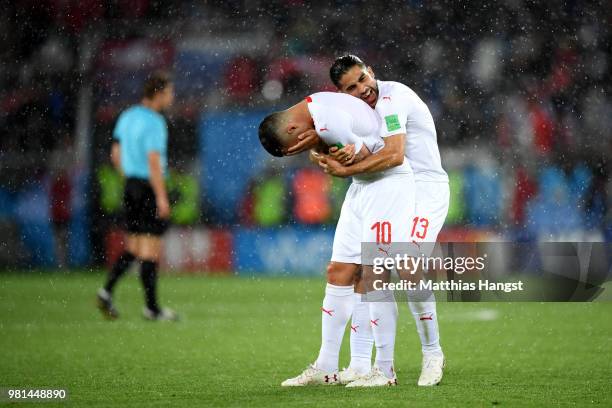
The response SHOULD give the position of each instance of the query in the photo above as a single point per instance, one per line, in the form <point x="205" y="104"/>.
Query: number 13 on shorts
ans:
<point x="419" y="227"/>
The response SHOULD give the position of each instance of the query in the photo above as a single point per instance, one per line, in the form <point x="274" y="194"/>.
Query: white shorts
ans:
<point x="431" y="208"/>
<point x="380" y="210"/>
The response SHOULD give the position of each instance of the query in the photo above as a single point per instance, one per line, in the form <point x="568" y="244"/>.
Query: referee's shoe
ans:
<point x="161" y="314"/>
<point x="105" y="304"/>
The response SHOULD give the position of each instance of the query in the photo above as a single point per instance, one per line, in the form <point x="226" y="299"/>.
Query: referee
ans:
<point x="139" y="152"/>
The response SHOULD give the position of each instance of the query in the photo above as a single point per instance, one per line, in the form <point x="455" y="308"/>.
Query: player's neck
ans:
<point x="151" y="104"/>
<point x="300" y="112"/>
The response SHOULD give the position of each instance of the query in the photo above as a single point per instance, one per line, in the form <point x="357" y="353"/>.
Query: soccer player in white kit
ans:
<point x="403" y="112"/>
<point x="384" y="195"/>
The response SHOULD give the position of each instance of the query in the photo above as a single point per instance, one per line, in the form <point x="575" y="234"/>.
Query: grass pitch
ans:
<point x="240" y="337"/>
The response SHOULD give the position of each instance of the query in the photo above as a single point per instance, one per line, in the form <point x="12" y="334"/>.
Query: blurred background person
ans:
<point x="140" y="153"/>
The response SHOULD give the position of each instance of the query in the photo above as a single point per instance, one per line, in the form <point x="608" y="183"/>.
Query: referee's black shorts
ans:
<point x="141" y="209"/>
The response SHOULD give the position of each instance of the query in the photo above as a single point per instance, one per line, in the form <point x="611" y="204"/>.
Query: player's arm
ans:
<point x="347" y="155"/>
<point x="307" y="140"/>
<point x="394" y="111"/>
<point x="156" y="178"/>
<point x="154" y="145"/>
<point x="344" y="145"/>
<point x="315" y="154"/>
<point x="391" y="155"/>
<point x="115" y="156"/>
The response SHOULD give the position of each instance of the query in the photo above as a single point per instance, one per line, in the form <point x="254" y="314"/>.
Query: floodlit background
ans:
<point x="520" y="94"/>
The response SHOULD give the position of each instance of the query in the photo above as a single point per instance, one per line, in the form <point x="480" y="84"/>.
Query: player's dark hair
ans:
<point x="269" y="135"/>
<point x="156" y="82"/>
<point x="342" y="65"/>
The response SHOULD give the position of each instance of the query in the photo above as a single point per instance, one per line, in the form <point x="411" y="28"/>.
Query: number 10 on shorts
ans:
<point x="383" y="232"/>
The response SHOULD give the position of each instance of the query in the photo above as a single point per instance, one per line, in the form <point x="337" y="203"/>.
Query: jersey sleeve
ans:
<point x="156" y="135"/>
<point x="394" y="111"/>
<point x="339" y="130"/>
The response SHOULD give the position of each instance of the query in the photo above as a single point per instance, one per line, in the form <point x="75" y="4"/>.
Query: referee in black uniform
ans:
<point x="139" y="152"/>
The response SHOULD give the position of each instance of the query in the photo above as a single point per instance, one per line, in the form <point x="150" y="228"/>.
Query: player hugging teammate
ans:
<point x="398" y="181"/>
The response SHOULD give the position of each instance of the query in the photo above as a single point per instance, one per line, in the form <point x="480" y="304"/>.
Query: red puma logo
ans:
<point x="323" y="129"/>
<point x="430" y="317"/>
<point x="354" y="328"/>
<point x="384" y="251"/>
<point x="329" y="312"/>
<point x="374" y="322"/>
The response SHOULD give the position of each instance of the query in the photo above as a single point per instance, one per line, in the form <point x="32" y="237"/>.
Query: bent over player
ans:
<point x="386" y="194"/>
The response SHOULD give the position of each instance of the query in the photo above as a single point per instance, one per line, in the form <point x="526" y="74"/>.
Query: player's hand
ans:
<point x="307" y="140"/>
<point x="163" y="208"/>
<point x="346" y="155"/>
<point x="333" y="167"/>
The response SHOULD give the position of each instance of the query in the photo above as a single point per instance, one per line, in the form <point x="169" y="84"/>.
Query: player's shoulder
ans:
<point x="143" y="112"/>
<point x="332" y="104"/>
<point x="331" y="98"/>
<point x="129" y="114"/>
<point x="391" y="88"/>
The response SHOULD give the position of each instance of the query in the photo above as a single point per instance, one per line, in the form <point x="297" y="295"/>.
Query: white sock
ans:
<point x="422" y="304"/>
<point x="383" y="318"/>
<point x="335" y="313"/>
<point x="362" y="338"/>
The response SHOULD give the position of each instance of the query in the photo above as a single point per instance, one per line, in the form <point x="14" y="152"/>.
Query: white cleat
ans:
<point x="348" y="375"/>
<point x="374" y="378"/>
<point x="432" y="370"/>
<point x="163" y="315"/>
<point x="311" y="376"/>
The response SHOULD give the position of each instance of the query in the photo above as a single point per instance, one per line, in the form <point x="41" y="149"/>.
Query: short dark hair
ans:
<point x="156" y="82"/>
<point x="269" y="135"/>
<point x="342" y="65"/>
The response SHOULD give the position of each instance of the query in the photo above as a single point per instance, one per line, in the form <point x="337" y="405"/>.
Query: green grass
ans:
<point x="241" y="337"/>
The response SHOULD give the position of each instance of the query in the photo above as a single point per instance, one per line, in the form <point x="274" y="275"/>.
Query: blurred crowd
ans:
<point x="519" y="90"/>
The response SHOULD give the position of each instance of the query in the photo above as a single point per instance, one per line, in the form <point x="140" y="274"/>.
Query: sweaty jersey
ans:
<point x="341" y="118"/>
<point x="402" y="111"/>
<point x="139" y="131"/>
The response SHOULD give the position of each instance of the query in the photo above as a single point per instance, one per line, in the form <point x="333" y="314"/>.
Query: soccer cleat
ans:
<point x="432" y="370"/>
<point x="374" y="378"/>
<point x="163" y="315"/>
<point x="348" y="375"/>
<point x="105" y="304"/>
<point x="311" y="376"/>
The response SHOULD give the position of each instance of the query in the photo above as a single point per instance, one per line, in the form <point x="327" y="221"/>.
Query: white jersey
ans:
<point x="402" y="111"/>
<point x="341" y="118"/>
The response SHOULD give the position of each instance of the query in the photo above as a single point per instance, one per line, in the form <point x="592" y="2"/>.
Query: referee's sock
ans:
<point x="118" y="270"/>
<point x="148" y="275"/>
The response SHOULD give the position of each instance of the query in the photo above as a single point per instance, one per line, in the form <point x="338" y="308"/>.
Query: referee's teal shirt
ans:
<point x="140" y="131"/>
